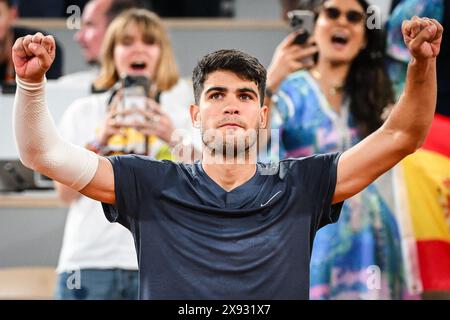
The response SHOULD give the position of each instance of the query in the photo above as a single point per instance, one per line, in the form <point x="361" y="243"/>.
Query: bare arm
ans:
<point x="407" y="126"/>
<point x="40" y="146"/>
<point x="66" y="194"/>
<point x="101" y="187"/>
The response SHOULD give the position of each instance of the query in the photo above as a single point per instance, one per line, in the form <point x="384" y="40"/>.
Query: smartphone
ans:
<point x="301" y="21"/>
<point x="135" y="91"/>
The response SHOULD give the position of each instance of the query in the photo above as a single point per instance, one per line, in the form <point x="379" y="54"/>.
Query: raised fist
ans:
<point x="32" y="56"/>
<point x="423" y="37"/>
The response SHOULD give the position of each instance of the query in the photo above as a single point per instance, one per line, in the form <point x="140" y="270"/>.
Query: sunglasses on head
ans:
<point x="353" y="16"/>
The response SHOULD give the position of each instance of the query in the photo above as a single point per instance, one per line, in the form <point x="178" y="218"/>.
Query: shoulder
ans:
<point x="309" y="165"/>
<point x="181" y="91"/>
<point x="293" y="92"/>
<point x="141" y="162"/>
<point x="79" y="78"/>
<point x="89" y="103"/>
<point x="295" y="79"/>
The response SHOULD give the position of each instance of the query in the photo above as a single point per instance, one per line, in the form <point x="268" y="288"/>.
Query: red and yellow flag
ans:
<point x="426" y="178"/>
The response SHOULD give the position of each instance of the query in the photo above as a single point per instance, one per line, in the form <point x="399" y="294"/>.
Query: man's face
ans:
<point x="229" y="114"/>
<point x="94" y="25"/>
<point x="7" y="17"/>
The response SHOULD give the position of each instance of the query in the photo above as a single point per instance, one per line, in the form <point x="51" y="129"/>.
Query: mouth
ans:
<point x="138" y="65"/>
<point x="340" y="39"/>
<point x="230" y="125"/>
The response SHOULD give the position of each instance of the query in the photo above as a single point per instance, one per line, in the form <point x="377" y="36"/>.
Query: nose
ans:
<point x="139" y="46"/>
<point x="342" y="20"/>
<point x="231" y="109"/>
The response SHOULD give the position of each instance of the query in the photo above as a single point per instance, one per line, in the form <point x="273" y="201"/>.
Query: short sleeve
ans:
<point x="134" y="185"/>
<point x="318" y="176"/>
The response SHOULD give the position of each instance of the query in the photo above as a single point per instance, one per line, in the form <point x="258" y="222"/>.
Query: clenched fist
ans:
<point x="32" y="56"/>
<point x="423" y="37"/>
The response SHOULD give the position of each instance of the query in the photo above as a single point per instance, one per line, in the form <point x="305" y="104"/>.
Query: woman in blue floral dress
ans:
<point x="329" y="108"/>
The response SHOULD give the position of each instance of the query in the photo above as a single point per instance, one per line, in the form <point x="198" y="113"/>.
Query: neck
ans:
<point x="229" y="173"/>
<point x="333" y="72"/>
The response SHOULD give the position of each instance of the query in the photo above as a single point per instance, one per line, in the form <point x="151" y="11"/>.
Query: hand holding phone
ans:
<point x="295" y="52"/>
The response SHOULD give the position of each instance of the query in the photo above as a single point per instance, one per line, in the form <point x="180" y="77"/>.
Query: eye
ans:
<point x="216" y="96"/>
<point x="149" y="40"/>
<point x="245" y="97"/>
<point x="126" y="41"/>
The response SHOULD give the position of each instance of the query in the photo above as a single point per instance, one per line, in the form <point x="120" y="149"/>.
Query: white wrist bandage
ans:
<point x="40" y="146"/>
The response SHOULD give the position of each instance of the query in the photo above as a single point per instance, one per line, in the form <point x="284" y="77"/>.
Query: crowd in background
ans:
<point x="339" y="97"/>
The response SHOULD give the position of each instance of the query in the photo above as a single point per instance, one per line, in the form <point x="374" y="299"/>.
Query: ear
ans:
<point x="194" y="111"/>
<point x="263" y="117"/>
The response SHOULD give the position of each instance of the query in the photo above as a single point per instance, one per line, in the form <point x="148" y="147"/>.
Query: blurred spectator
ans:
<point x="330" y="108"/>
<point x="9" y="34"/>
<point x="95" y="19"/>
<point x="137" y="44"/>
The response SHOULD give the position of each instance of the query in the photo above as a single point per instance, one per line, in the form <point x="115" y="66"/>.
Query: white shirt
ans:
<point x="81" y="78"/>
<point x="90" y="240"/>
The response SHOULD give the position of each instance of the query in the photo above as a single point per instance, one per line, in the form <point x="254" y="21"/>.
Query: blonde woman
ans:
<point x="98" y="259"/>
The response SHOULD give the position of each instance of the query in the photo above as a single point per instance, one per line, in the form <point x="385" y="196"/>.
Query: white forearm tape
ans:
<point x="40" y="146"/>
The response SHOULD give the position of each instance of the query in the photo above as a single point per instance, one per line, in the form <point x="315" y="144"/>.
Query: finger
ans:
<point x="302" y="54"/>
<point x="123" y="113"/>
<point x="115" y="102"/>
<point x="37" y="38"/>
<point x="440" y="29"/>
<point x="39" y="51"/>
<point x="311" y="40"/>
<point x="406" y="28"/>
<point x="148" y="114"/>
<point x="18" y="47"/>
<point x="26" y="42"/>
<point x="49" y="44"/>
<point x="154" y="106"/>
<point x="425" y="35"/>
<point x="415" y="26"/>
<point x="287" y="41"/>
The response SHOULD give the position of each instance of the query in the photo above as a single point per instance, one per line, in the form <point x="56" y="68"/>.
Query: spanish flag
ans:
<point x="423" y="199"/>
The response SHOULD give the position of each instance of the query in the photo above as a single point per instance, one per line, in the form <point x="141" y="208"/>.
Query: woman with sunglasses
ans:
<point x="330" y="107"/>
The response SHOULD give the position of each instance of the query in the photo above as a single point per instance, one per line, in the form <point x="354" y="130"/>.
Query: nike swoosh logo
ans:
<point x="265" y="204"/>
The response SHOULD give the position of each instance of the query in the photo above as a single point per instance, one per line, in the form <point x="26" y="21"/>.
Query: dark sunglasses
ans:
<point x="352" y="16"/>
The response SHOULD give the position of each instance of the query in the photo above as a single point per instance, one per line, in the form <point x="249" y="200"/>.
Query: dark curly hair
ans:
<point x="242" y="64"/>
<point x="367" y="85"/>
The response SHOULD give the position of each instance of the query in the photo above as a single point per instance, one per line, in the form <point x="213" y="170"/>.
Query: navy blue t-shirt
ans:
<point x="194" y="240"/>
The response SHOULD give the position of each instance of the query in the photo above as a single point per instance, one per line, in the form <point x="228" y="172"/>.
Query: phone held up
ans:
<point x="302" y="22"/>
<point x="135" y="92"/>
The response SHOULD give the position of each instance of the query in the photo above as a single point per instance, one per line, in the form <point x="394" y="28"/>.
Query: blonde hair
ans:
<point x="166" y="73"/>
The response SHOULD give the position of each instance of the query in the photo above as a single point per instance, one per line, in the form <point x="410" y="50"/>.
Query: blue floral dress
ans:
<point x="359" y="257"/>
